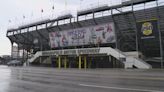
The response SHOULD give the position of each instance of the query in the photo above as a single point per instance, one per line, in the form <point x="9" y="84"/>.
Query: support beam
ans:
<point x="71" y="23"/>
<point x="23" y="54"/>
<point x="159" y="33"/>
<point x="19" y="42"/>
<point x="58" y="26"/>
<point x="118" y="10"/>
<point x="78" y="22"/>
<point x="47" y="28"/>
<point x="29" y="33"/>
<point x="94" y="19"/>
<point x="49" y="59"/>
<point x="79" y="62"/>
<point x="59" y="62"/>
<point x="85" y="62"/>
<point x="136" y="31"/>
<point x="90" y="63"/>
<point x="26" y="38"/>
<point x="65" y="62"/>
<point x="41" y="35"/>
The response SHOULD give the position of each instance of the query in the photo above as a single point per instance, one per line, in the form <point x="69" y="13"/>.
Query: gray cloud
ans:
<point x="15" y="9"/>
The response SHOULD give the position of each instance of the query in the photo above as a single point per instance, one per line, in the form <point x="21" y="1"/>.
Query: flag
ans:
<point x="42" y="10"/>
<point x="24" y="17"/>
<point x="53" y="7"/>
<point x="9" y="21"/>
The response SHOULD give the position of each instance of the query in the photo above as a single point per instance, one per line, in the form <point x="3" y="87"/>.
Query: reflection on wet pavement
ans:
<point x="5" y="75"/>
<point x="31" y="79"/>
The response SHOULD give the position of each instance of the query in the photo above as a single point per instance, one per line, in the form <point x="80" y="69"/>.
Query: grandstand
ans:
<point x="127" y="35"/>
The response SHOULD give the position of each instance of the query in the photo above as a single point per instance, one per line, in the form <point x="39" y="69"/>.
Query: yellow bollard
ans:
<point x="65" y="62"/>
<point x="85" y="62"/>
<point x="59" y="62"/>
<point x="79" y="62"/>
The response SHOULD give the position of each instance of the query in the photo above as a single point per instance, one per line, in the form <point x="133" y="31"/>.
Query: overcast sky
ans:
<point x="14" y="10"/>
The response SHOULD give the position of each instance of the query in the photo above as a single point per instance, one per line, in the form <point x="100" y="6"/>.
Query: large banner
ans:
<point x="148" y="38"/>
<point x="147" y="29"/>
<point x="99" y="34"/>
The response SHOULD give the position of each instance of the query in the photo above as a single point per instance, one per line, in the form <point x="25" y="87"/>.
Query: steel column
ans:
<point x="80" y="62"/>
<point x="65" y="62"/>
<point x="59" y="62"/>
<point x="85" y="62"/>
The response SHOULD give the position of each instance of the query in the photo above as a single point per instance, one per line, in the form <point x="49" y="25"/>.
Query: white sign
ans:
<point x="99" y="34"/>
<point x="71" y="52"/>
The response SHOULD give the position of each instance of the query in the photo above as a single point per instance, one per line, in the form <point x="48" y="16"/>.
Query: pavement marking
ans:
<point x="119" y="88"/>
<point x="140" y="78"/>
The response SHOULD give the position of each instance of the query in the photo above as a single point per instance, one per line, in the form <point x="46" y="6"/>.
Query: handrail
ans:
<point x="143" y="62"/>
<point x="119" y="55"/>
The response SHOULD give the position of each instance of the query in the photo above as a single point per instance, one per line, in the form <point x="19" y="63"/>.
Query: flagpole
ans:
<point x="23" y="20"/>
<point x="53" y="7"/>
<point x="81" y="3"/>
<point x="41" y="14"/>
<point x="65" y="5"/>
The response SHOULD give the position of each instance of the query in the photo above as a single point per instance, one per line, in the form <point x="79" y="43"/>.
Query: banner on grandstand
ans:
<point x="148" y="38"/>
<point x="147" y="29"/>
<point x="99" y="34"/>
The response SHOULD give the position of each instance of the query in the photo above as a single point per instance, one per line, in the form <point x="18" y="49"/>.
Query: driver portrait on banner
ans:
<point x="99" y="34"/>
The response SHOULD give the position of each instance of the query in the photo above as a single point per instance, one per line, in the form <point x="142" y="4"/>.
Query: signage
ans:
<point x="99" y="34"/>
<point x="71" y="52"/>
<point x="147" y="29"/>
<point x="148" y="38"/>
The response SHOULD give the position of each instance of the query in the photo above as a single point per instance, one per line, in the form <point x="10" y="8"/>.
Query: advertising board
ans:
<point x="98" y="34"/>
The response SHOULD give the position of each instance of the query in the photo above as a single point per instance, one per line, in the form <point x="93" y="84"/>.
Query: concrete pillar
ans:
<point x="85" y="62"/>
<point x="65" y="62"/>
<point x="59" y="62"/>
<point x="79" y="62"/>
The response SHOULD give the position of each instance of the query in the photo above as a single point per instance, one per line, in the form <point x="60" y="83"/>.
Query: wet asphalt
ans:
<point x="37" y="79"/>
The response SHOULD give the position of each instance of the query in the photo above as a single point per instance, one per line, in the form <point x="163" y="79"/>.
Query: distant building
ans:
<point x="5" y="58"/>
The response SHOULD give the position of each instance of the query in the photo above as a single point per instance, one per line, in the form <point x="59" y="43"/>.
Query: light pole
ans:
<point x="159" y="33"/>
<point x="41" y="14"/>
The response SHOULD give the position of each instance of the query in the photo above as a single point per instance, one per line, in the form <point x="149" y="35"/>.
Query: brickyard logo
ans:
<point x="147" y="28"/>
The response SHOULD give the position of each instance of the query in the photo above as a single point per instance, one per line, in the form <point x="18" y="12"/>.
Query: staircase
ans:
<point x="132" y="62"/>
<point x="33" y="58"/>
<point x="129" y="61"/>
